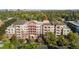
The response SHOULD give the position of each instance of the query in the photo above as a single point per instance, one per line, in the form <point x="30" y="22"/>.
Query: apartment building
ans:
<point x="21" y="29"/>
<point x="10" y="31"/>
<point x="25" y="29"/>
<point x="47" y="27"/>
<point x="66" y="30"/>
<point x="58" y="27"/>
<point x="32" y="25"/>
<point x="33" y="29"/>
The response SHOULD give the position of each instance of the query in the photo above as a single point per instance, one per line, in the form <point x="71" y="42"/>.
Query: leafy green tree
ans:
<point x="62" y="42"/>
<point x="51" y="39"/>
<point x="73" y="39"/>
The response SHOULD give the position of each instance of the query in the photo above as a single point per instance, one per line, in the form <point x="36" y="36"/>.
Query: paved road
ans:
<point x="8" y="19"/>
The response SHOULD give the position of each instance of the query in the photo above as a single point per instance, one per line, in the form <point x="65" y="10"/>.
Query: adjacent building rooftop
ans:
<point x="74" y="22"/>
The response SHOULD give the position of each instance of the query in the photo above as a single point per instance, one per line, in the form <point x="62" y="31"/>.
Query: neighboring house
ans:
<point x="74" y="25"/>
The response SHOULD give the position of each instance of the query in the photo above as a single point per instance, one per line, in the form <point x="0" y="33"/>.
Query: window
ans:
<point x="58" y="27"/>
<point x="48" y="27"/>
<point x="58" y="33"/>
<point x="18" y="31"/>
<point x="58" y="30"/>
<point x="45" y="30"/>
<point x="45" y="27"/>
<point x="67" y="30"/>
<point x="9" y="32"/>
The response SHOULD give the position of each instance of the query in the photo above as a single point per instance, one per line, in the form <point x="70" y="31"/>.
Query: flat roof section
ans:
<point x="75" y="23"/>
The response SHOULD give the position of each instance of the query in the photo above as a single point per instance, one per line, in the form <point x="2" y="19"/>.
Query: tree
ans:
<point x="62" y="42"/>
<point x="73" y="39"/>
<point x="51" y="39"/>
